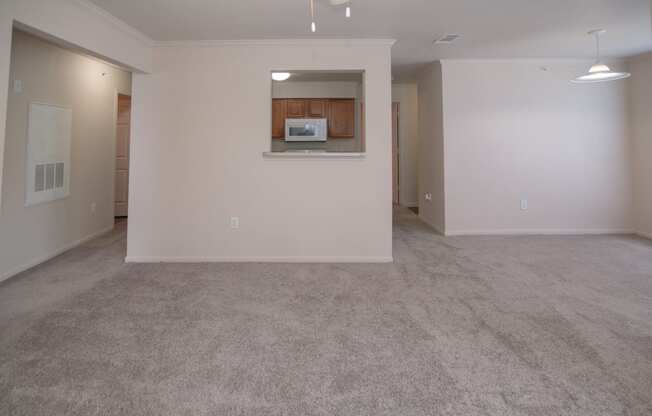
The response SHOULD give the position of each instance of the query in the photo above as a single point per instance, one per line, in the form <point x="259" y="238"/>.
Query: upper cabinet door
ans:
<point x="296" y="108"/>
<point x="316" y="108"/>
<point x="341" y="118"/>
<point x="278" y="118"/>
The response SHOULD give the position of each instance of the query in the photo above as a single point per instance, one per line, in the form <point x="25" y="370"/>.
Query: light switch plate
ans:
<point x="235" y="222"/>
<point x="524" y="204"/>
<point x="18" y="86"/>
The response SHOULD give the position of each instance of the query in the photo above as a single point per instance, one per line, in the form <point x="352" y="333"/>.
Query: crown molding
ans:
<point x="276" y="42"/>
<point x="115" y="22"/>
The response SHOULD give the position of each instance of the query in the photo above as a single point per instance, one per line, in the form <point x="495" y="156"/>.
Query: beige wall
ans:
<point x="317" y="89"/>
<point x="514" y="131"/>
<point x="640" y="108"/>
<point x="407" y="97"/>
<point x="77" y="24"/>
<point x="431" y="147"/>
<point x="201" y="124"/>
<point x="322" y="89"/>
<point x="55" y="76"/>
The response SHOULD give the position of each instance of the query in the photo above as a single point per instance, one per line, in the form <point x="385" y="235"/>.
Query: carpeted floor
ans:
<point x="456" y="326"/>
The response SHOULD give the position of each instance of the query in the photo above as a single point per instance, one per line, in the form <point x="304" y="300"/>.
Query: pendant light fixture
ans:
<point x="599" y="72"/>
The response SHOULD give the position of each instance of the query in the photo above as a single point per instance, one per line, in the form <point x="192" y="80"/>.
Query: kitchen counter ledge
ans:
<point x="313" y="155"/>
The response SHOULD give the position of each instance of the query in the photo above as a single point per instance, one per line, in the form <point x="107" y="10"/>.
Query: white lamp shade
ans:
<point x="600" y="73"/>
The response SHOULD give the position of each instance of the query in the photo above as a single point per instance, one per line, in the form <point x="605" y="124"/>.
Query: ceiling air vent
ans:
<point x="447" y="39"/>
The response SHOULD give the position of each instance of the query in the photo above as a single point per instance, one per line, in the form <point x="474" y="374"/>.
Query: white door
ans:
<point x="122" y="156"/>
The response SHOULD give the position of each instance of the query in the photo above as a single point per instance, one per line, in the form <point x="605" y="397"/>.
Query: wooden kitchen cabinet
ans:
<point x="316" y="108"/>
<point x="279" y="112"/>
<point x="296" y="108"/>
<point x="341" y="118"/>
<point x="340" y="113"/>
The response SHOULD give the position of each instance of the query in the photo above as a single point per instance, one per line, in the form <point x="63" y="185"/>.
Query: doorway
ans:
<point x="123" y="131"/>
<point x="395" y="153"/>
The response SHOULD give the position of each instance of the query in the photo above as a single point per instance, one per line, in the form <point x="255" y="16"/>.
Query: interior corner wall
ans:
<point x="407" y="97"/>
<point x="76" y="24"/>
<point x="202" y="125"/>
<point x="49" y="74"/>
<point x="640" y="110"/>
<point x="431" y="147"/>
<point x="519" y="130"/>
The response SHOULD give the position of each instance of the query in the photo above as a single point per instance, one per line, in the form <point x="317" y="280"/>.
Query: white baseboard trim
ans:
<point x="544" y="231"/>
<point x="190" y="259"/>
<point x="53" y="254"/>
<point x="433" y="226"/>
<point x="644" y="235"/>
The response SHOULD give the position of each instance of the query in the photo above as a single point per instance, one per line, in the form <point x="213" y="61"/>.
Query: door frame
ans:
<point x="116" y="98"/>
<point x="396" y="153"/>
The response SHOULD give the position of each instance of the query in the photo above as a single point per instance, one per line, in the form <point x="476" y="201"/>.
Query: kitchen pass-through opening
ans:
<point x="317" y="112"/>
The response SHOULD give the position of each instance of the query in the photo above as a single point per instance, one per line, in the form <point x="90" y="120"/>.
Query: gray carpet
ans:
<point x="458" y="326"/>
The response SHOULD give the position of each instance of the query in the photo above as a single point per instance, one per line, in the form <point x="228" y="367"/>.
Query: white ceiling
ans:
<point x="489" y="28"/>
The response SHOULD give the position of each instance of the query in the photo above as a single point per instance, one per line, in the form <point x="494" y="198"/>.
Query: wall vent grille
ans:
<point x="447" y="39"/>
<point x="48" y="176"/>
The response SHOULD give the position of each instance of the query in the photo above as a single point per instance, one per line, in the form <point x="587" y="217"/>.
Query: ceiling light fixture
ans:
<point x="447" y="39"/>
<point x="340" y="3"/>
<point x="599" y="72"/>
<point x="346" y="4"/>
<point x="281" y="76"/>
<point x="313" y="25"/>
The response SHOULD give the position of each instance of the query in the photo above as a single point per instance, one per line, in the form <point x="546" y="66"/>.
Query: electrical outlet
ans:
<point x="235" y="222"/>
<point x="428" y="196"/>
<point x="524" y="204"/>
<point x="93" y="207"/>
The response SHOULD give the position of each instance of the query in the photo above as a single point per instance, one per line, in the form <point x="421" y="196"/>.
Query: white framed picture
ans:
<point x="48" y="153"/>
